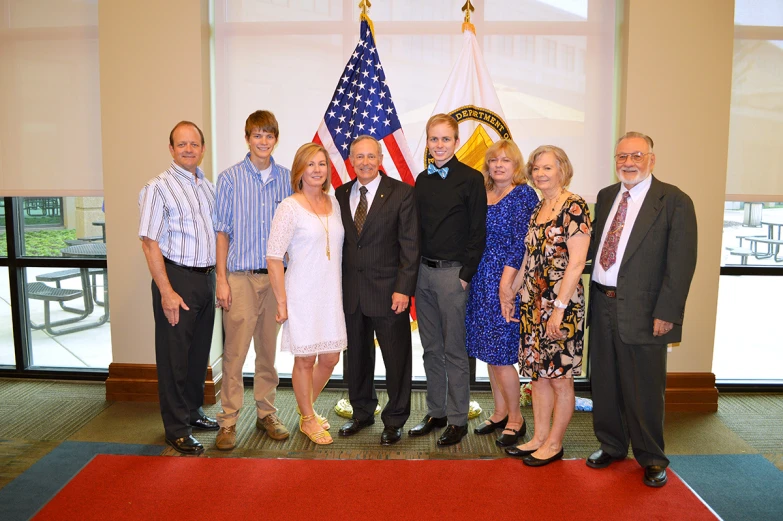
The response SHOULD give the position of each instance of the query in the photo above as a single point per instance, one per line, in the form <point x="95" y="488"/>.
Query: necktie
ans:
<point x="361" y="210"/>
<point x="442" y="172"/>
<point x="609" y="251"/>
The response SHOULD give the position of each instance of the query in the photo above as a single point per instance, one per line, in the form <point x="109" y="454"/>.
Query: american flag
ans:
<point x="362" y="104"/>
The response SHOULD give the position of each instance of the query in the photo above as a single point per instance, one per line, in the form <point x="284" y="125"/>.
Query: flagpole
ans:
<point x="343" y="407"/>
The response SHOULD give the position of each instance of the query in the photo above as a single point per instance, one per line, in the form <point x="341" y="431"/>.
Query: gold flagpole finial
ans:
<point x="365" y="5"/>
<point x="467" y="25"/>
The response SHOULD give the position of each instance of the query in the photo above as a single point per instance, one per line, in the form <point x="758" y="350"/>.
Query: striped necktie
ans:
<point x="361" y="210"/>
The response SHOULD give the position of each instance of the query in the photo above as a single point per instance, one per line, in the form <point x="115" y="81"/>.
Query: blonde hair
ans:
<point x="512" y="152"/>
<point x="303" y="156"/>
<point x="437" y="119"/>
<point x="565" y="169"/>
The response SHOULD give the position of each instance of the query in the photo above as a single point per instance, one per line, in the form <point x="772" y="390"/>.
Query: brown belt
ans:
<point x="609" y="291"/>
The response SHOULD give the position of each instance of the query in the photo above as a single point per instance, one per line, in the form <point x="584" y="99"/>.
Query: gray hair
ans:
<point x="629" y="135"/>
<point x="362" y="138"/>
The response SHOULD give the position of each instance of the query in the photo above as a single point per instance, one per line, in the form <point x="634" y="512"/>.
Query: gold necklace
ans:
<point x="326" y="227"/>
<point x="507" y="190"/>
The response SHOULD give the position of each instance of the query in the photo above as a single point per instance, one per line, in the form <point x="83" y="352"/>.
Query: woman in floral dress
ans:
<point x="552" y="305"/>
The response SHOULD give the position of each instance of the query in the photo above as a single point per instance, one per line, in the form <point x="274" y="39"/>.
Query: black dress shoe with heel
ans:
<point x="452" y="435"/>
<point x="426" y="425"/>
<point x="186" y="445"/>
<point x="507" y="440"/>
<point x="532" y="461"/>
<point x="391" y="435"/>
<point x="489" y="428"/>
<point x="205" y="423"/>
<point x="601" y="459"/>
<point x="655" y="476"/>
<point x="353" y="426"/>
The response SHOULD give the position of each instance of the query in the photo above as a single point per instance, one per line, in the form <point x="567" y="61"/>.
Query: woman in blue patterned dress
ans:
<point x="488" y="336"/>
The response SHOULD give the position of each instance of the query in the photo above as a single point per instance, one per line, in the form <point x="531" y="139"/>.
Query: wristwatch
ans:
<point x="560" y="305"/>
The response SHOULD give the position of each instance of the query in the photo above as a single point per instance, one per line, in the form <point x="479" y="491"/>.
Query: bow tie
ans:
<point x="442" y="172"/>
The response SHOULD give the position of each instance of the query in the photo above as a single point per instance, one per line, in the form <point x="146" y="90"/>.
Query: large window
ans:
<point x="553" y="70"/>
<point x="55" y="284"/>
<point x="752" y="249"/>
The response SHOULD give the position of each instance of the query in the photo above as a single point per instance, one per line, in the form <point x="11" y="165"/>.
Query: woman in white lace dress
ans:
<point x="307" y="226"/>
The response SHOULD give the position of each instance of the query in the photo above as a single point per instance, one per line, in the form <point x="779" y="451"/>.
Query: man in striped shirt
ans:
<point x="247" y="196"/>
<point x="178" y="240"/>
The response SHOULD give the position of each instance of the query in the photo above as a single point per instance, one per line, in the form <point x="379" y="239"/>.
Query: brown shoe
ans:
<point x="273" y="426"/>
<point x="226" y="438"/>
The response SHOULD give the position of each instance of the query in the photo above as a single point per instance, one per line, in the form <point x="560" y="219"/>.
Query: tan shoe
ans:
<point x="226" y="438"/>
<point x="273" y="426"/>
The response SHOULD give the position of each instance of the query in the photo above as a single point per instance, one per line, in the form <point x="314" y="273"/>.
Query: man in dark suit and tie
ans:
<point x="643" y="252"/>
<point x="380" y="267"/>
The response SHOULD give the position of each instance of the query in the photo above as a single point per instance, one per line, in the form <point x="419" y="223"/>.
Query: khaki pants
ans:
<point x="252" y="316"/>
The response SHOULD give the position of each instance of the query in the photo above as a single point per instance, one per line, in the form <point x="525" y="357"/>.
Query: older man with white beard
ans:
<point x="643" y="253"/>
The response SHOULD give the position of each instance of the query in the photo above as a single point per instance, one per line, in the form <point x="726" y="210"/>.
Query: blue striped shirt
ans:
<point x="177" y="211"/>
<point x="245" y="207"/>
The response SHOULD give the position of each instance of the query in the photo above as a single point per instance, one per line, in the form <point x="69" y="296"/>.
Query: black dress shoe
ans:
<point x="354" y="426"/>
<point x="532" y="461"/>
<point x="516" y="452"/>
<point x="601" y="459"/>
<point x="186" y="445"/>
<point x="507" y="440"/>
<point x="391" y="435"/>
<point x="489" y="428"/>
<point x="452" y="435"/>
<point x="205" y="423"/>
<point x="655" y="476"/>
<point x="426" y="426"/>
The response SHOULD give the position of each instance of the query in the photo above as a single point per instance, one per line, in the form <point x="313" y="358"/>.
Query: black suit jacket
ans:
<point x="384" y="259"/>
<point x="658" y="264"/>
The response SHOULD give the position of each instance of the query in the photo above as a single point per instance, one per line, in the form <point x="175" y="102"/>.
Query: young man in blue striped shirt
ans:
<point x="247" y="196"/>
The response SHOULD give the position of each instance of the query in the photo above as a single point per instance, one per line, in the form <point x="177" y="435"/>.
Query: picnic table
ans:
<point x="89" y="292"/>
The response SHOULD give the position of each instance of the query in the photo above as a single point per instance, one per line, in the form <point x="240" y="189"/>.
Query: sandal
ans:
<point x="321" y="420"/>
<point x="320" y="437"/>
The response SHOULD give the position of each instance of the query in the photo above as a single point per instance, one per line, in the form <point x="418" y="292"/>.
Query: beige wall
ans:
<point x="678" y="89"/>
<point x="154" y="72"/>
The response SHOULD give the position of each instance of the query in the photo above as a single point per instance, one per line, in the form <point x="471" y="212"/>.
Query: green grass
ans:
<point x="41" y="243"/>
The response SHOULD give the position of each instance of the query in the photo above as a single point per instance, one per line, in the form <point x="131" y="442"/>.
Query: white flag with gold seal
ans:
<point x="469" y="97"/>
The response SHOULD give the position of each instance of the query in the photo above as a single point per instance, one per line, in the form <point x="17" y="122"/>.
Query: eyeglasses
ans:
<point x="636" y="157"/>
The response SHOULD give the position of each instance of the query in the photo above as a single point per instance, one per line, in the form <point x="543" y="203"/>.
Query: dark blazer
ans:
<point x="384" y="259"/>
<point x="658" y="264"/>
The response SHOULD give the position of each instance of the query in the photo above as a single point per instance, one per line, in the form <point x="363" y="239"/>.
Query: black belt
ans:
<point x="432" y="263"/>
<point x="609" y="291"/>
<point x="196" y="269"/>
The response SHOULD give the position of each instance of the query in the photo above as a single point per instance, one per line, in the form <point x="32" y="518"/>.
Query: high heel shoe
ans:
<point x="489" y="428"/>
<point x="323" y="422"/>
<point x="320" y="437"/>
<point x="507" y="440"/>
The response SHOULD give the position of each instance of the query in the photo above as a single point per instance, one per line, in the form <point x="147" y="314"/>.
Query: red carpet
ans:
<point x="144" y="487"/>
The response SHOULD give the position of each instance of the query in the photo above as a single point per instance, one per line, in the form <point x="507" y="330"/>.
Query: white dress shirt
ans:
<point x="372" y="187"/>
<point x="635" y="200"/>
